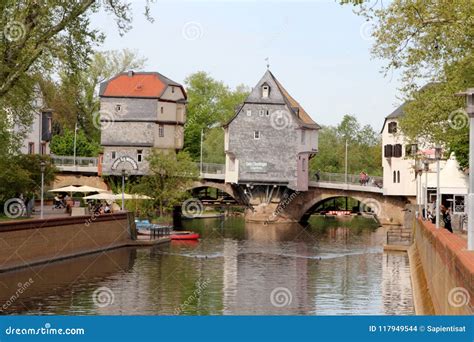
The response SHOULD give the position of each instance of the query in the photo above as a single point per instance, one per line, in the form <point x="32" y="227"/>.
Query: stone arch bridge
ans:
<point x="270" y="204"/>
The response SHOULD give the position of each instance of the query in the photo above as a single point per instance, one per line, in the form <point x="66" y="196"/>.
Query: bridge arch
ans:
<point x="388" y="209"/>
<point x="226" y="188"/>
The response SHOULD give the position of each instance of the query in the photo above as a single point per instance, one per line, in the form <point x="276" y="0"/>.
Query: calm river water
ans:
<point x="235" y="269"/>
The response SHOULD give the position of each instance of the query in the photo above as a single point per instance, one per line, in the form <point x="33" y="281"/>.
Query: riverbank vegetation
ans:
<point x="363" y="146"/>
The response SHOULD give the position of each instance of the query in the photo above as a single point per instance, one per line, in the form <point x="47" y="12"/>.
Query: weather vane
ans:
<point x="268" y="62"/>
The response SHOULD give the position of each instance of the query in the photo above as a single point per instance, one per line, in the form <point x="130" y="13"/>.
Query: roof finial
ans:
<point x="268" y="63"/>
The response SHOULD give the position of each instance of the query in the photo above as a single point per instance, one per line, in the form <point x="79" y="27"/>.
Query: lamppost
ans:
<point x="42" y="169"/>
<point x="469" y="94"/>
<point x="438" y="155"/>
<point x="418" y="173"/>
<point x="123" y="189"/>
<point x="200" y="157"/>
<point x="426" y="168"/>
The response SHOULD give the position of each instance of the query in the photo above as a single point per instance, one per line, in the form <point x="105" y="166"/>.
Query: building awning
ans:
<point x="451" y="179"/>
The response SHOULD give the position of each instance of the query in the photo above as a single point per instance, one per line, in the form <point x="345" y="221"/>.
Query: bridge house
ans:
<point x="270" y="139"/>
<point x="139" y="111"/>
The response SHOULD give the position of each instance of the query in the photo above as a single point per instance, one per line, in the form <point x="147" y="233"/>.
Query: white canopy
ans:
<point x="73" y="188"/>
<point x="451" y="179"/>
<point x="113" y="197"/>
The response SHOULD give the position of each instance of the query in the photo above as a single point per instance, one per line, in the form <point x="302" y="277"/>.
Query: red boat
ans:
<point x="184" y="235"/>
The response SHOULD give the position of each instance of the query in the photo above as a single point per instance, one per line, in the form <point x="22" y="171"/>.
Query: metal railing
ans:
<point x="327" y="177"/>
<point x="212" y="168"/>
<point x="158" y="232"/>
<point x="69" y="161"/>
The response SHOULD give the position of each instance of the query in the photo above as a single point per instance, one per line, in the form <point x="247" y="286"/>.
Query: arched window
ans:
<point x="398" y="176"/>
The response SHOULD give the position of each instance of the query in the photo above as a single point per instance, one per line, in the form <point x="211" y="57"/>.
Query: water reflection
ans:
<point x="234" y="269"/>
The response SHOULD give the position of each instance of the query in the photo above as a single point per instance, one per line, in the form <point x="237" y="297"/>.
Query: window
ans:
<point x="118" y="107"/>
<point x="249" y="112"/>
<point x="267" y="112"/>
<point x="43" y="148"/>
<point x="303" y="137"/>
<point x="261" y="112"/>
<point x="161" y="131"/>
<point x="388" y="151"/>
<point x="161" y="110"/>
<point x="172" y="89"/>
<point x="397" y="151"/>
<point x="113" y="154"/>
<point x="398" y="176"/>
<point x="410" y="150"/>
<point x="392" y="127"/>
<point x="31" y="148"/>
<point x="265" y="91"/>
<point x="394" y="176"/>
<point x="256" y="135"/>
<point x="139" y="155"/>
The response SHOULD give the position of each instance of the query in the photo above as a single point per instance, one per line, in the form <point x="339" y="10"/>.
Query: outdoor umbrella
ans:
<point x="69" y="188"/>
<point x="132" y="196"/>
<point x="101" y="196"/>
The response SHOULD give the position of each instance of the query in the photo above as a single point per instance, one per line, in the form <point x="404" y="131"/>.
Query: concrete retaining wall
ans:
<point x="448" y="269"/>
<point x="29" y="242"/>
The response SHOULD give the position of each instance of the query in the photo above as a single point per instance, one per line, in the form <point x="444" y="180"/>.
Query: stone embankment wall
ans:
<point x="30" y="242"/>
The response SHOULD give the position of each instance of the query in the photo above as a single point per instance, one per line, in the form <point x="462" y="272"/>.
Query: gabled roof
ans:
<point x="137" y="84"/>
<point x="295" y="108"/>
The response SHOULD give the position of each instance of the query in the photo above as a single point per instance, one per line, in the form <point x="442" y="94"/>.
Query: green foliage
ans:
<point x="63" y="145"/>
<point x="170" y="176"/>
<point x="429" y="41"/>
<point x="21" y="174"/>
<point x="210" y="103"/>
<point x="364" y="149"/>
<point x="213" y="146"/>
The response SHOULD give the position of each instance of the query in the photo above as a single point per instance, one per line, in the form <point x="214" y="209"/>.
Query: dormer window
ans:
<point x="265" y="91"/>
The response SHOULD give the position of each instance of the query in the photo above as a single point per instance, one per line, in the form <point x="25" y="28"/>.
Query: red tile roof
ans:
<point x="136" y="84"/>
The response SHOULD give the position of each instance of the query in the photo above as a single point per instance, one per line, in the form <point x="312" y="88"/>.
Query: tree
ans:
<point x="213" y="146"/>
<point x="63" y="145"/>
<point x="22" y="175"/>
<point x="364" y="148"/>
<point x="210" y="103"/>
<point x="430" y="42"/>
<point x="41" y="37"/>
<point x="169" y="177"/>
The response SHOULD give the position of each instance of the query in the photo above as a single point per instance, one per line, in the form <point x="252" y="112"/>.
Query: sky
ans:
<point x="319" y="50"/>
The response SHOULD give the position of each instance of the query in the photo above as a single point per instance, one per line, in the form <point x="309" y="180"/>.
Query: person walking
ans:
<point x="318" y="175"/>
<point x="447" y="219"/>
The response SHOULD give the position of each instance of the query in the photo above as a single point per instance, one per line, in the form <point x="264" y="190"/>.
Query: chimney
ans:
<point x="130" y="73"/>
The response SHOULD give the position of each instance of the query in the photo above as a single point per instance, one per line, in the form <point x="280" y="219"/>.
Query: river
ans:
<point x="237" y="268"/>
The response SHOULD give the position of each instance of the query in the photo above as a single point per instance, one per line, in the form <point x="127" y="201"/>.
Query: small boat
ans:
<point x="184" y="235"/>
